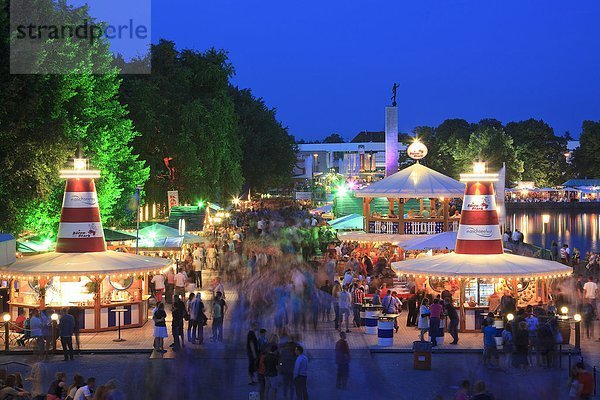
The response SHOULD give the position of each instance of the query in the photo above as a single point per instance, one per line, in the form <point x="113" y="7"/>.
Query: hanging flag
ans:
<point x="500" y="196"/>
<point x="173" y="196"/>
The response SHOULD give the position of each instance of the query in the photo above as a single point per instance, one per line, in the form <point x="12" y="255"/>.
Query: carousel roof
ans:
<point x="440" y="241"/>
<point x="397" y="240"/>
<point x="416" y="181"/>
<point x="102" y="262"/>
<point x="482" y="266"/>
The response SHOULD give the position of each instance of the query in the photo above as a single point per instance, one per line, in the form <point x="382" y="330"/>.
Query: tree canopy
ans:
<point x="44" y="117"/>
<point x="586" y="158"/>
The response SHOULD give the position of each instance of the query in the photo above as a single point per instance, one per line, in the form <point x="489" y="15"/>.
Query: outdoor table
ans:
<point x="119" y="314"/>
<point x="385" y="329"/>
<point x="372" y="314"/>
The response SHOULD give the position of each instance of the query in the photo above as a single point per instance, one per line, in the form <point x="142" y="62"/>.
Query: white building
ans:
<point x="364" y="154"/>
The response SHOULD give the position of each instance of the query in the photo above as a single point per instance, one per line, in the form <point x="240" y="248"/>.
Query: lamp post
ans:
<point x="6" y="318"/>
<point x="54" y="318"/>
<point x="137" y="225"/>
<point x="577" y="318"/>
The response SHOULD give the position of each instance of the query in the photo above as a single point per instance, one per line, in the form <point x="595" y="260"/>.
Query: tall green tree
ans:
<point x="586" y="158"/>
<point x="269" y="152"/>
<point x="541" y="151"/>
<point x="44" y="117"/>
<point x="188" y="124"/>
<point x="334" y="138"/>
<point x="494" y="146"/>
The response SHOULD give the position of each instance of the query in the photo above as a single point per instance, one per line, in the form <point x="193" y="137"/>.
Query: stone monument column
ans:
<point x="391" y="140"/>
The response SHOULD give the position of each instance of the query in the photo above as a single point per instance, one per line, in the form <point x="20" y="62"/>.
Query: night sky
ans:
<point x="328" y="66"/>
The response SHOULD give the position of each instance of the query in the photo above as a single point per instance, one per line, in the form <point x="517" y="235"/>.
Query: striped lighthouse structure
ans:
<point x="80" y="228"/>
<point x="479" y="231"/>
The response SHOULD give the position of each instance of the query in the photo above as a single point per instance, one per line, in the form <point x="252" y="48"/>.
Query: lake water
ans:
<point x="580" y="230"/>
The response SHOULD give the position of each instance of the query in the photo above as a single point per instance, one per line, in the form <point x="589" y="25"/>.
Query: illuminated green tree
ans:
<point x="44" y="117"/>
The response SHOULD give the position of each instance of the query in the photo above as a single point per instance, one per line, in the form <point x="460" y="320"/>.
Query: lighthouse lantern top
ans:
<point x="479" y="174"/>
<point x="80" y="170"/>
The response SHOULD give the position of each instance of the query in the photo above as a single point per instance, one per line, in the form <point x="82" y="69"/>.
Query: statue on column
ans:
<point x="394" y="88"/>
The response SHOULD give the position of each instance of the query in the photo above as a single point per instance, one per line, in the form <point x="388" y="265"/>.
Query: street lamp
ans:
<point x="577" y="318"/>
<point x="564" y="310"/>
<point x="510" y="317"/>
<point x="6" y="318"/>
<point x="137" y="227"/>
<point x="54" y="318"/>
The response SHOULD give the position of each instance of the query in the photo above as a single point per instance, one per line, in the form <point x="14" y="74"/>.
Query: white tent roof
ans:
<point x="375" y="237"/>
<point x="105" y="262"/>
<point x="416" y="181"/>
<point x="440" y="241"/>
<point x="482" y="266"/>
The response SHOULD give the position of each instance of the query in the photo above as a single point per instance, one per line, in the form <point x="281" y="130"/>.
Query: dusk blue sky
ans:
<point x="328" y="66"/>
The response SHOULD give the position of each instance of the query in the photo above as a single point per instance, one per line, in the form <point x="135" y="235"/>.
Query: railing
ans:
<point x="417" y="226"/>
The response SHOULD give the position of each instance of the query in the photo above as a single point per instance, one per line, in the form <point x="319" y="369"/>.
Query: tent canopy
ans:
<point x="481" y="266"/>
<point x="323" y="209"/>
<point x="158" y="231"/>
<point x="440" y="241"/>
<point x="416" y="181"/>
<point x="104" y="262"/>
<point x="348" y="222"/>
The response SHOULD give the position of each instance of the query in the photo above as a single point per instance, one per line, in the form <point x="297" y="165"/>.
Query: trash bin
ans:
<point x="372" y="314"/>
<point x="362" y="313"/>
<point x="564" y="327"/>
<point x="385" y="331"/>
<point x="422" y="355"/>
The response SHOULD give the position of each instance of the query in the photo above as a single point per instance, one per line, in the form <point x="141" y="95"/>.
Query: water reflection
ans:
<point x="580" y="230"/>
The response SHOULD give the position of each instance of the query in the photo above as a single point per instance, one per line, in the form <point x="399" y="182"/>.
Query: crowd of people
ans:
<point x="61" y="388"/>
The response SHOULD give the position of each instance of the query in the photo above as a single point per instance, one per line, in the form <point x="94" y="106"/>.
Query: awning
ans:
<point x="159" y="231"/>
<point x="111" y="235"/>
<point x="440" y="241"/>
<point x="454" y="265"/>
<point x="348" y="222"/>
<point x="105" y="262"/>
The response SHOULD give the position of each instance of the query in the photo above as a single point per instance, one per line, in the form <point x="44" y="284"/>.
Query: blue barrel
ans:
<point x="385" y="331"/>
<point x="371" y="318"/>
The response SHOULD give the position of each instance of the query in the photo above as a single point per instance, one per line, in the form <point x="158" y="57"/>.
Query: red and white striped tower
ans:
<point x="479" y="231"/>
<point x="80" y="228"/>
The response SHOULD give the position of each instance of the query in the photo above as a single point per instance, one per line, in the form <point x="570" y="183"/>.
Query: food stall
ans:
<point x="479" y="267"/>
<point x="81" y="273"/>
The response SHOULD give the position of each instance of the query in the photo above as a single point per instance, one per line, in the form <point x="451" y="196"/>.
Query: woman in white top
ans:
<point x="423" y="323"/>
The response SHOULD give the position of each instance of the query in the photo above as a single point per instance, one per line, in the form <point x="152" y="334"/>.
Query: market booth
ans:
<point x="81" y="273"/>
<point x="479" y="271"/>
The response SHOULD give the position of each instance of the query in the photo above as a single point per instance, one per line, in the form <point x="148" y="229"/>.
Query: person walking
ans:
<point x="508" y="345"/>
<point x="66" y="328"/>
<point x="37" y="332"/>
<point x="326" y="303"/>
<point x="424" y="314"/>
<point x="342" y="359"/>
<point x="271" y="373"/>
<point x="180" y="280"/>
<point x="453" y="324"/>
<point x="301" y="374"/>
<point x="337" y="288"/>
<point x="411" y="319"/>
<point x="590" y="289"/>
<point x="435" y="313"/>
<point x="188" y="309"/>
<point x="218" y="314"/>
<point x="252" y="353"/>
<point x="358" y="299"/>
<point x="199" y="263"/>
<point x="198" y="317"/>
<point x="159" y="287"/>
<point x="345" y="304"/>
<point x="288" y="360"/>
<point x="160" y="327"/>
<point x="178" y="313"/>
